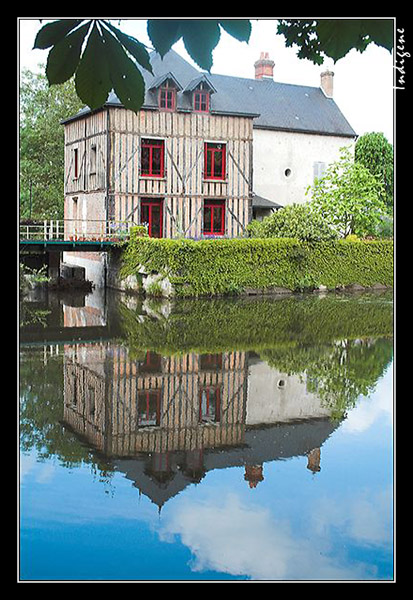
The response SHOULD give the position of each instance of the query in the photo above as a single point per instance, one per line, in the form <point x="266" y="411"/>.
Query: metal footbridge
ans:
<point x="73" y="235"/>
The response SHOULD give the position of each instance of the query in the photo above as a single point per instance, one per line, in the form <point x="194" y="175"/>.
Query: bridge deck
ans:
<point x="66" y="245"/>
<point x="77" y="235"/>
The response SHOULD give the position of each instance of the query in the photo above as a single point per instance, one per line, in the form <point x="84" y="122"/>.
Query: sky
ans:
<point x="363" y="82"/>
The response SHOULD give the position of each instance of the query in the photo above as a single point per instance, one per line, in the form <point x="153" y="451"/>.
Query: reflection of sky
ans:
<point x="236" y="537"/>
<point x="378" y="406"/>
<point x="335" y="524"/>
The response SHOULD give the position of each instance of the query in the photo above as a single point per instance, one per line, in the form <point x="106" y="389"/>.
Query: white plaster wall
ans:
<point x="93" y="262"/>
<point x="276" y="151"/>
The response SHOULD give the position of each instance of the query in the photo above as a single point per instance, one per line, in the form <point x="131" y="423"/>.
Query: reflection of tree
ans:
<point x="30" y="316"/>
<point x="41" y="411"/>
<point x="338" y="372"/>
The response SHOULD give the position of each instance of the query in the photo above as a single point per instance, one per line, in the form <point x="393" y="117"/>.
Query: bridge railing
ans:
<point x="77" y="230"/>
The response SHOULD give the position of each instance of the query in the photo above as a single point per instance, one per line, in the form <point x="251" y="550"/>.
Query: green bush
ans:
<point x="231" y="266"/>
<point x="139" y="231"/>
<point x="298" y="221"/>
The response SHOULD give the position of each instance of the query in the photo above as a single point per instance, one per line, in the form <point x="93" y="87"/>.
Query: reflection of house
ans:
<point x="156" y="404"/>
<point x="166" y="421"/>
<point x="277" y="397"/>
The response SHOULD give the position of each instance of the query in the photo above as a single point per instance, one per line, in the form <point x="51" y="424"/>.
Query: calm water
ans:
<point x="206" y="440"/>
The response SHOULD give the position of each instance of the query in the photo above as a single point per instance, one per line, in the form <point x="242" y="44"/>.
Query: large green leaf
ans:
<point x="339" y="36"/>
<point x="238" y="28"/>
<point x="133" y="46"/>
<point x="126" y="78"/>
<point x="51" y="33"/>
<point x="63" y="58"/>
<point x="380" y="31"/>
<point x="93" y="82"/>
<point x="163" y="33"/>
<point x="200" y="38"/>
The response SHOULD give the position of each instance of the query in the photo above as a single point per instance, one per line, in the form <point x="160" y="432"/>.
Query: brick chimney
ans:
<point x="326" y="83"/>
<point x="264" y="67"/>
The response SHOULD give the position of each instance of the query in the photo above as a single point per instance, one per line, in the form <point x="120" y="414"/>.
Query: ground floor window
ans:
<point x="152" y="216"/>
<point x="214" y="217"/>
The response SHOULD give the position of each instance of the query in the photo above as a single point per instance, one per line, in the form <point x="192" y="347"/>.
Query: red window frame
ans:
<point x="215" y="160"/>
<point x="152" y="152"/>
<point x="201" y="101"/>
<point x="167" y="98"/>
<point x="214" y="217"/>
<point x="150" y="203"/>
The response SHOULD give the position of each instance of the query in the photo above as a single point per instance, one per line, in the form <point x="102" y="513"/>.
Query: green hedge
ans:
<point x="225" y="266"/>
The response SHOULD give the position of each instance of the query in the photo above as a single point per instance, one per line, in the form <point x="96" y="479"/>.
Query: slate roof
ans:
<point x="273" y="105"/>
<point x="261" y="202"/>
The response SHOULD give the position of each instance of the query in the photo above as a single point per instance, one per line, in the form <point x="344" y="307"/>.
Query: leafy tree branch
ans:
<point x="101" y="57"/>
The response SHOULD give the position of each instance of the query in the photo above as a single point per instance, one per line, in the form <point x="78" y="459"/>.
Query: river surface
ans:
<point x="207" y="439"/>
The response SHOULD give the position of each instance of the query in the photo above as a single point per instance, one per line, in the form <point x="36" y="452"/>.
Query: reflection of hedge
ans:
<point x="222" y="266"/>
<point x="342" y="342"/>
<point x="254" y="324"/>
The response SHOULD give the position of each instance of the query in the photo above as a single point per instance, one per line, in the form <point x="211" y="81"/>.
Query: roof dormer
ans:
<point x="166" y="87"/>
<point x="201" y="89"/>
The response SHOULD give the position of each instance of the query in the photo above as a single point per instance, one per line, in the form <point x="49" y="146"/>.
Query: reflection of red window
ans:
<point x="152" y="363"/>
<point x="214" y="217"/>
<point x="214" y="161"/>
<point x="210" y="404"/>
<point x="167" y="98"/>
<point x="149" y="408"/>
<point x="201" y="101"/>
<point x="152" y="158"/>
<point x="211" y="362"/>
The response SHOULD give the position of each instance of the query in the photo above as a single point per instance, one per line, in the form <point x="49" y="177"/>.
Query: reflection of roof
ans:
<point x="260" y="202"/>
<point x="261" y="444"/>
<point x="273" y="105"/>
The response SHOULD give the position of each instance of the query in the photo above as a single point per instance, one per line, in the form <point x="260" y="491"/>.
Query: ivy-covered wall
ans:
<point x="236" y="266"/>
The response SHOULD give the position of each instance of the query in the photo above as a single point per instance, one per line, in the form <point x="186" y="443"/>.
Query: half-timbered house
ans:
<point x="178" y="165"/>
<point x="205" y="154"/>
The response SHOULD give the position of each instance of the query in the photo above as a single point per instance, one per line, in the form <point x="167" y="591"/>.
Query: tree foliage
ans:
<point x="335" y="37"/>
<point x="101" y="57"/>
<point x="298" y="221"/>
<point x="349" y="197"/>
<point x="42" y="144"/>
<point x="375" y="152"/>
